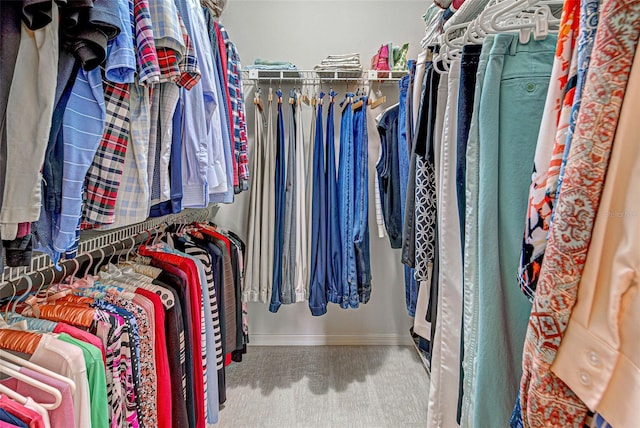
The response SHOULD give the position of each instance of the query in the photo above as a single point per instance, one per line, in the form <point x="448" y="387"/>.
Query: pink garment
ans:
<point x="4" y="424"/>
<point x="23" y="230"/>
<point x="82" y="335"/>
<point x="63" y="416"/>
<point x="28" y="416"/>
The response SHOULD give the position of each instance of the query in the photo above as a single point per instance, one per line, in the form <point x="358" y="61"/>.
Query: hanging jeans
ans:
<point x="334" y="247"/>
<point x="361" y="219"/>
<point x="317" y="286"/>
<point x="290" y="220"/>
<point x="279" y="212"/>
<point x="411" y="285"/>
<point x="346" y="196"/>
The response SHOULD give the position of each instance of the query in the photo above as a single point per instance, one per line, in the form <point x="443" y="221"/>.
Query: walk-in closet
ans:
<point x="319" y="213"/>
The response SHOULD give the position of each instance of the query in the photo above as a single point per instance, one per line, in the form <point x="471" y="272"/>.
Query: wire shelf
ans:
<point x="92" y="240"/>
<point x="318" y="76"/>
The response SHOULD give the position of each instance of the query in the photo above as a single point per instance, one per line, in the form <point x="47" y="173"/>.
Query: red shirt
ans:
<point x="194" y="294"/>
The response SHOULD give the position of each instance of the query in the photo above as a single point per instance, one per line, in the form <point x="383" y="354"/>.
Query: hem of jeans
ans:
<point x="334" y="298"/>
<point x="350" y="302"/>
<point x="317" y="311"/>
<point x="301" y="296"/>
<point x="273" y="307"/>
<point x="365" y="296"/>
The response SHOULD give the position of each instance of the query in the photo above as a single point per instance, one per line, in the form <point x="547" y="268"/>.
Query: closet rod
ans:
<point x="95" y="241"/>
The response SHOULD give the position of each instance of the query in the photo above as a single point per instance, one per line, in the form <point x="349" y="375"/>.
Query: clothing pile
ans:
<point x="344" y="62"/>
<point x="114" y="111"/>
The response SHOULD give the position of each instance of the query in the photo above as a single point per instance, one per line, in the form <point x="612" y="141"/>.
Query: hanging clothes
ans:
<point x="563" y="266"/>
<point x="280" y="177"/>
<point x="319" y="221"/>
<point x="251" y="291"/>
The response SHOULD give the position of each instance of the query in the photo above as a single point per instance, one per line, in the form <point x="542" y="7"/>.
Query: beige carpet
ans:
<point x="326" y="386"/>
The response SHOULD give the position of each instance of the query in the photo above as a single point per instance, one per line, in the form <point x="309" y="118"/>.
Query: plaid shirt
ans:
<point x="132" y="202"/>
<point x="167" y="34"/>
<point x="238" y="110"/>
<point x="221" y="58"/>
<point x="189" y="71"/>
<point x="164" y="102"/>
<point x="103" y="178"/>
<point x="148" y="67"/>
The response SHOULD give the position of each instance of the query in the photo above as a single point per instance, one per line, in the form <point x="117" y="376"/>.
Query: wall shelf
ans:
<point x="316" y="76"/>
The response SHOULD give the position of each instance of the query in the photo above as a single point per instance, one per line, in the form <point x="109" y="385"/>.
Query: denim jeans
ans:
<point x="346" y="197"/>
<point x="334" y="248"/>
<point x="317" y="285"/>
<point x="361" y="220"/>
<point x="468" y="70"/>
<point x="287" y="291"/>
<point x="279" y="219"/>
<point x="403" y="162"/>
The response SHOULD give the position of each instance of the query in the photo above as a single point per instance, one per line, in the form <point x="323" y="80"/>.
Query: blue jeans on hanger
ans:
<point x="287" y="291"/>
<point x="346" y="196"/>
<point x="411" y="285"/>
<point x="317" y="286"/>
<point x="334" y="246"/>
<point x="279" y="226"/>
<point x="361" y="222"/>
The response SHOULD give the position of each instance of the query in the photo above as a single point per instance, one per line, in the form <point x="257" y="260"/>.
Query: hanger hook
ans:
<point x="19" y="298"/>
<point x="97" y="265"/>
<point x="13" y="296"/>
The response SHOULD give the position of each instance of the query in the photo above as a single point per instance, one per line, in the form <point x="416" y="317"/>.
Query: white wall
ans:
<point x="304" y="32"/>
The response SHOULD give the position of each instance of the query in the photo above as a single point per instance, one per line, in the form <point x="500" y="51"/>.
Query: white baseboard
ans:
<point x="328" y="339"/>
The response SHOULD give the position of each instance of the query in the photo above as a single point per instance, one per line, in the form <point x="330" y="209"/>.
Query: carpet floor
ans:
<point x="326" y="386"/>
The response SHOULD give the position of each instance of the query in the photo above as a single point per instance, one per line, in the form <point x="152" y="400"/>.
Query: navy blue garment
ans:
<point x="174" y="205"/>
<point x="280" y="179"/>
<point x="317" y="285"/>
<point x="9" y="418"/>
<point x="361" y="218"/>
<point x="334" y="246"/>
<point x="346" y="196"/>
<point x="388" y="170"/>
<point x="466" y="95"/>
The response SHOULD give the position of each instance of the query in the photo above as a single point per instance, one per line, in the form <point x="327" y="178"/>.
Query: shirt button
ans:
<point x="585" y="379"/>
<point x="594" y="359"/>
<point x="530" y="87"/>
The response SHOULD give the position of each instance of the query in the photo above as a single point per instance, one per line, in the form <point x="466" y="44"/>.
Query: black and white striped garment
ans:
<point x="205" y="258"/>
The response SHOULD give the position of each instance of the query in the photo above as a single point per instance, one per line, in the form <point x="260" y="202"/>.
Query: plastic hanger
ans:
<point x="36" y="368"/>
<point x="13" y="394"/>
<point x="525" y="16"/>
<point x="19" y="298"/>
<point x="36" y="383"/>
<point x="13" y="296"/>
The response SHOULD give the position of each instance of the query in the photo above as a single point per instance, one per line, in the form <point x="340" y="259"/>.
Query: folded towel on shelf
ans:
<point x="265" y="64"/>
